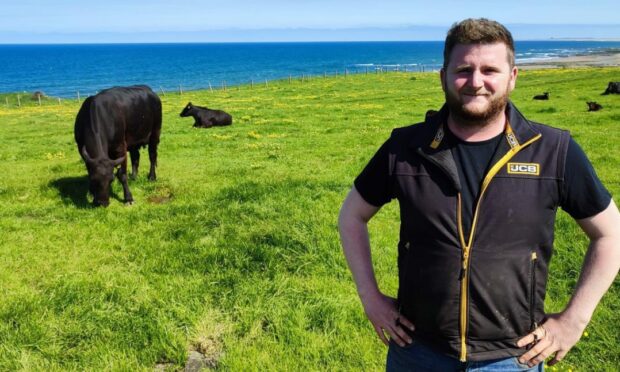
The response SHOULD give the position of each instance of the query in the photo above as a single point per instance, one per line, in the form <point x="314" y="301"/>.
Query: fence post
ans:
<point x="7" y="101"/>
<point x="224" y="83"/>
<point x="19" y="102"/>
<point x="162" y="91"/>
<point x="210" y="88"/>
<point x="266" y="85"/>
<point x="59" y="100"/>
<point x="39" y="99"/>
<point x="252" y="84"/>
<point x="78" y="96"/>
<point x="180" y="90"/>
<point x="289" y="78"/>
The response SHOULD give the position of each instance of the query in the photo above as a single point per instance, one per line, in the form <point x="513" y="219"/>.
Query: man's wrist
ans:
<point x="366" y="294"/>
<point x="575" y="319"/>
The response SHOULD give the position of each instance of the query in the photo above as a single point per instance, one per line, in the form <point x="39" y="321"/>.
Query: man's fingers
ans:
<point x="557" y="357"/>
<point x="405" y="322"/>
<point x="526" y="340"/>
<point x="381" y="335"/>
<point x="400" y="336"/>
<point x="538" y="334"/>
<point x="396" y="334"/>
<point x="539" y="358"/>
<point x="540" y="349"/>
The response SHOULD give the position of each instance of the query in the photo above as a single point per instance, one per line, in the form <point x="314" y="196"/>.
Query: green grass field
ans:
<point x="234" y="250"/>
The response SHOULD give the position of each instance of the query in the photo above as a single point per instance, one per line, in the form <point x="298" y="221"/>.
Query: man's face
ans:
<point x="477" y="82"/>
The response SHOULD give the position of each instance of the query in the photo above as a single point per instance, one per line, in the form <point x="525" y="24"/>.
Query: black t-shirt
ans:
<point x="584" y="194"/>
<point x="473" y="160"/>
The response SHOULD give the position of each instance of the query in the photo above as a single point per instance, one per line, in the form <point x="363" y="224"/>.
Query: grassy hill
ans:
<point x="234" y="250"/>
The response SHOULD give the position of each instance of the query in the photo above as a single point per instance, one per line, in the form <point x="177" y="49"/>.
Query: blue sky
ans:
<point x="38" y="21"/>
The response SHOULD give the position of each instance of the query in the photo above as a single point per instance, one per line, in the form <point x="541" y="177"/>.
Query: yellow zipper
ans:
<point x="466" y="247"/>
<point x="463" y="277"/>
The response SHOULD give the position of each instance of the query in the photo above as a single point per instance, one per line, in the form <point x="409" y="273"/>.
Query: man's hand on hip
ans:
<point x="556" y="335"/>
<point x="382" y="312"/>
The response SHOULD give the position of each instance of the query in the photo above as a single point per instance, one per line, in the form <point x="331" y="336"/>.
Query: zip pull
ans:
<point x="463" y="268"/>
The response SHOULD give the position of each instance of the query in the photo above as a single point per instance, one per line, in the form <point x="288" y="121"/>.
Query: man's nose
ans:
<point x="476" y="80"/>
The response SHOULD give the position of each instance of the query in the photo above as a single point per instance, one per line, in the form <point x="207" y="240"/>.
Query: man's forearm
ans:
<point x="380" y="309"/>
<point x="560" y="332"/>
<point x="356" y="248"/>
<point x="352" y="222"/>
<point x="600" y="267"/>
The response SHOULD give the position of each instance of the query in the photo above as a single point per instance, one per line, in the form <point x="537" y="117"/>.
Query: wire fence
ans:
<point x="38" y="97"/>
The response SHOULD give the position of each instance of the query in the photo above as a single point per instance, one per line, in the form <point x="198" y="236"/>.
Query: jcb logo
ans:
<point x="524" y="168"/>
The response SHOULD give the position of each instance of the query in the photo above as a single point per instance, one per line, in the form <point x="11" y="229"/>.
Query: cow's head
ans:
<point x="100" y="176"/>
<point x="593" y="106"/>
<point x="186" y="110"/>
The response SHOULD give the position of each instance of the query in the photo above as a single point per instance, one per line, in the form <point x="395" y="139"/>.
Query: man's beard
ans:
<point x="475" y="118"/>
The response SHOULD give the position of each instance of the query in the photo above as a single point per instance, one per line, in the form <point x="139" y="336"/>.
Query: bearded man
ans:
<point x="478" y="187"/>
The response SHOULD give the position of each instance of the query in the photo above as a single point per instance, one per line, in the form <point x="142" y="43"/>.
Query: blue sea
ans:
<point x="64" y="70"/>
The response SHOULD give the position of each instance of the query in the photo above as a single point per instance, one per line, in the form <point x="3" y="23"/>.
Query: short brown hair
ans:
<point x="478" y="31"/>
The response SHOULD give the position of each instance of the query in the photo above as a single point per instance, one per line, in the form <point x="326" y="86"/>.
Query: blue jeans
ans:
<point x="417" y="357"/>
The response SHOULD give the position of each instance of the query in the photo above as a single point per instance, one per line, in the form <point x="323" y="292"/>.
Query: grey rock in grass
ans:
<point x="196" y="362"/>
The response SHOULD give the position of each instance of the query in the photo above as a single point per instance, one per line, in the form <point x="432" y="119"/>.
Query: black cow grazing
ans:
<point x="613" y="88"/>
<point x="108" y="125"/>
<point x="593" y="106"/>
<point x="544" y="96"/>
<point x="38" y="95"/>
<point x="205" y="117"/>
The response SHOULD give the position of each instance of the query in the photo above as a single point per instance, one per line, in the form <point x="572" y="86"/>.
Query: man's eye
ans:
<point x="491" y="70"/>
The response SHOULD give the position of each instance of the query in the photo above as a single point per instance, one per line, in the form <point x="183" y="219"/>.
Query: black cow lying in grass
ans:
<point x="593" y="106"/>
<point x="205" y="117"/>
<point x="613" y="88"/>
<point x="544" y="96"/>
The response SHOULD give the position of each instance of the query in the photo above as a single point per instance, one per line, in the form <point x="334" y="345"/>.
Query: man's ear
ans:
<point x="442" y="77"/>
<point x="513" y="78"/>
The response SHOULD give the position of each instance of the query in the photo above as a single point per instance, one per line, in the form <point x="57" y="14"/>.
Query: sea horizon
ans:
<point x="66" y="70"/>
<point x="550" y="39"/>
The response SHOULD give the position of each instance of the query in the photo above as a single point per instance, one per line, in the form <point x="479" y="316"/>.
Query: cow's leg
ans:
<point x="135" y="162"/>
<point x="153" y="156"/>
<point x="122" y="177"/>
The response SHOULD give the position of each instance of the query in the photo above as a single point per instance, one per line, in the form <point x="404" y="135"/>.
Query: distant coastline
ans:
<point x="604" y="58"/>
<point x="602" y="39"/>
